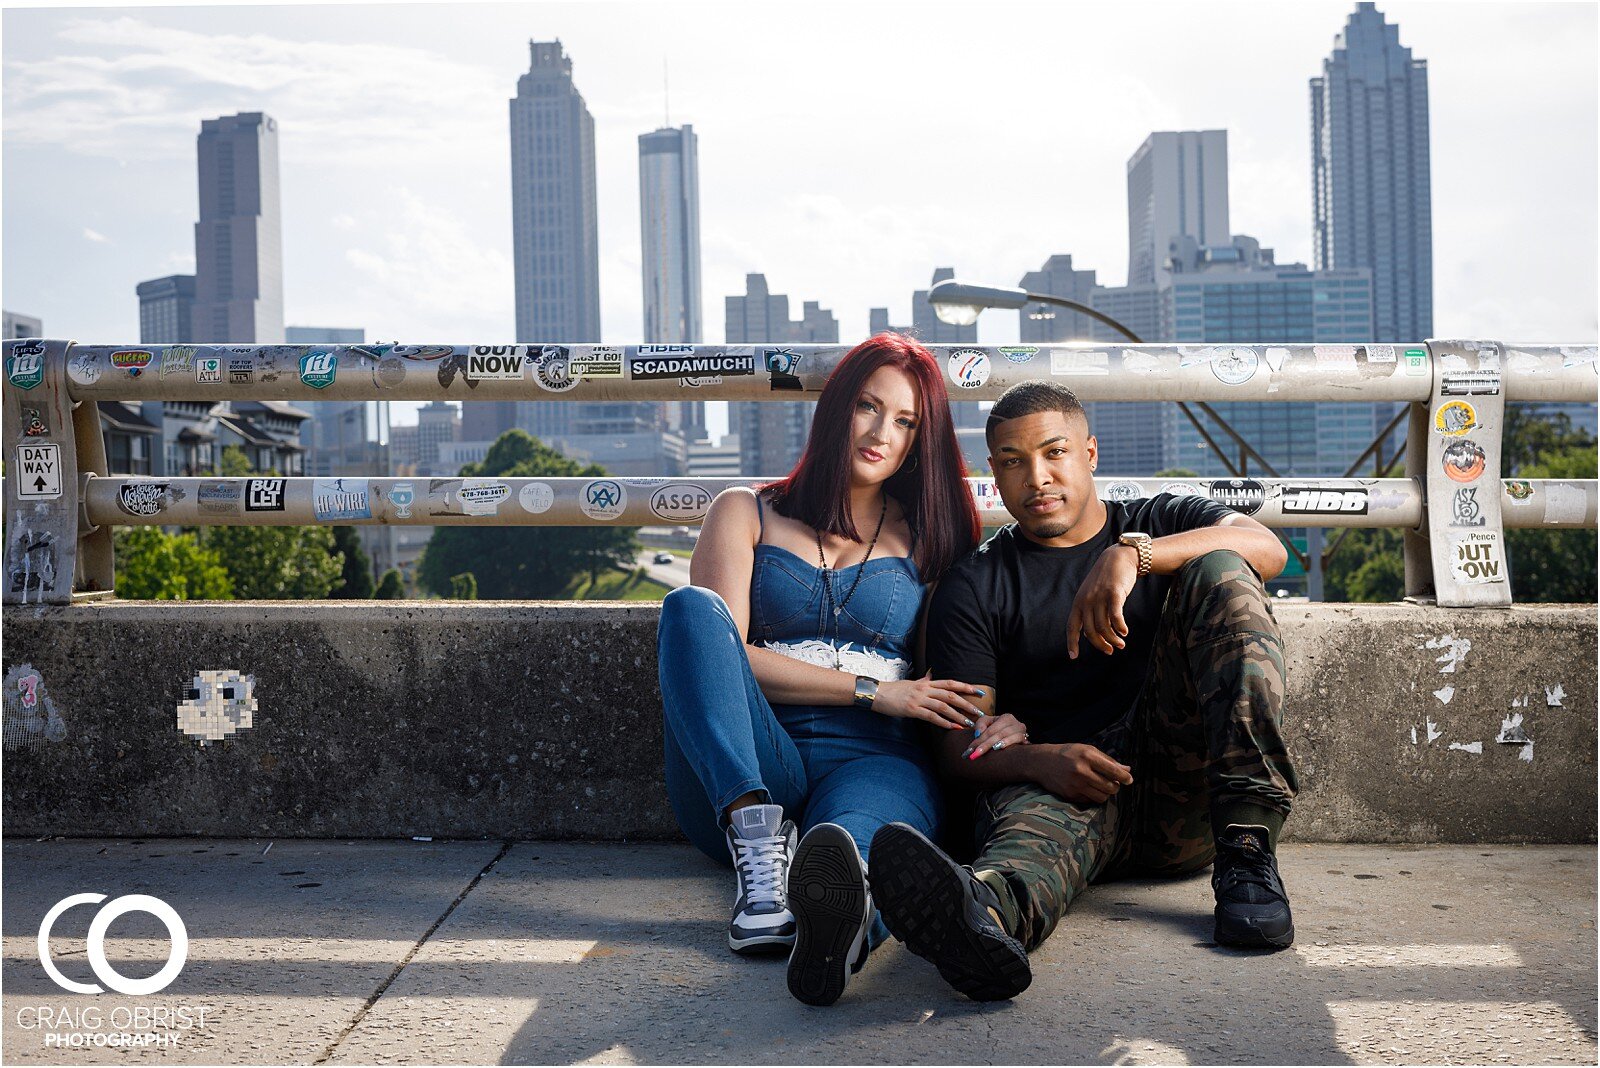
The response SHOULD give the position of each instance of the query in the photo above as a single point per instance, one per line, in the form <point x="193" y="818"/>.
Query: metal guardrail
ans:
<point x="60" y="503"/>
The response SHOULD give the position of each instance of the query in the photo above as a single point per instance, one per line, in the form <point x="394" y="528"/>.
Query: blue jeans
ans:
<point x="823" y="764"/>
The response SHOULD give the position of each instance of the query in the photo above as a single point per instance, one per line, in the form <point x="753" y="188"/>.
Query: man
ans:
<point x="1136" y="644"/>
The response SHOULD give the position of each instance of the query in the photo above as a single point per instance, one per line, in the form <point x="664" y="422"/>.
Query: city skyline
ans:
<point x="416" y="241"/>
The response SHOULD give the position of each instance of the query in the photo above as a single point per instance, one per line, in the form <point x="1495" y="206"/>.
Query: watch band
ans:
<point x="866" y="692"/>
<point x="1141" y="545"/>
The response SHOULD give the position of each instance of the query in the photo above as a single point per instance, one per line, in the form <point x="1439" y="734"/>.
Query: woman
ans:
<point x="786" y="668"/>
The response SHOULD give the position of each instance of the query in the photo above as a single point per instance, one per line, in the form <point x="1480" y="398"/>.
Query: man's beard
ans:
<point x="1052" y="529"/>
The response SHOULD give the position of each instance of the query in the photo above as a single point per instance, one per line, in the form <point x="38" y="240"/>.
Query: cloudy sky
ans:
<point x="845" y="149"/>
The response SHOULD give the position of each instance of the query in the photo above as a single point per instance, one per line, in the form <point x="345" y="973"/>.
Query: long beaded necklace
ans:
<point x="827" y="581"/>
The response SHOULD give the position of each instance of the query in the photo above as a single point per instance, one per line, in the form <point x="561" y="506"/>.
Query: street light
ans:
<point x="959" y="304"/>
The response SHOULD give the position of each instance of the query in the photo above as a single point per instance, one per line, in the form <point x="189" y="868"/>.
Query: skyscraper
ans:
<point x="1177" y="187"/>
<point x="1370" y="172"/>
<point x="772" y="434"/>
<point x="238" y="242"/>
<point x="669" y="215"/>
<point x="554" y="229"/>
<point x="1049" y="322"/>
<point x="166" y="309"/>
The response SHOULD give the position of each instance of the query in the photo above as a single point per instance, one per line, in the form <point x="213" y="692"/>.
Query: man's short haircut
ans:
<point x="1031" y="398"/>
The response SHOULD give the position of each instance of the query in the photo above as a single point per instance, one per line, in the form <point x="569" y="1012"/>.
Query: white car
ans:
<point x="664" y="558"/>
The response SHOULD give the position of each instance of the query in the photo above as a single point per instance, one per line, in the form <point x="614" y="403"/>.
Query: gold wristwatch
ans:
<point x="1140" y="542"/>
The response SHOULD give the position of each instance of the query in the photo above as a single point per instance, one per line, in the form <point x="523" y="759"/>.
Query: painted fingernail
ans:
<point x="978" y="729"/>
<point x="968" y="722"/>
<point x="982" y="694"/>
<point x="975" y="755"/>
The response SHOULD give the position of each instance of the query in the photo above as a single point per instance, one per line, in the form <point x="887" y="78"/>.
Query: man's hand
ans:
<point x="1079" y="772"/>
<point x="1097" y="609"/>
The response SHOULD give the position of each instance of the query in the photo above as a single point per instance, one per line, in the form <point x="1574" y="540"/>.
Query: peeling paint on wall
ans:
<point x="31" y="718"/>
<point x="1526" y="753"/>
<point x="1445" y="694"/>
<point x="217" y="704"/>
<point x="1553" y="695"/>
<point x="1511" y="732"/>
<point x="1470" y="747"/>
<point x="1455" y="650"/>
<point x="1434" y="733"/>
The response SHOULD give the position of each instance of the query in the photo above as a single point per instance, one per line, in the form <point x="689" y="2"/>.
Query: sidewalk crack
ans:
<point x="383" y="987"/>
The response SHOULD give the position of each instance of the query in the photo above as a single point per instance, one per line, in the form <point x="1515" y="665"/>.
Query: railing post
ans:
<point x="41" y="500"/>
<point x="1418" y="554"/>
<point x="1467" y="544"/>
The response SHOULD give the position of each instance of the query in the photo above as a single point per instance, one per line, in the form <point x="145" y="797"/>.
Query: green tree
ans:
<point x="155" y="566"/>
<point x="273" y="563"/>
<point x="1176" y="472"/>
<point x="519" y="563"/>
<point x="390" y="588"/>
<point x="1555" y="566"/>
<point x="463" y="587"/>
<point x="1369" y="566"/>
<point x="356" y="578"/>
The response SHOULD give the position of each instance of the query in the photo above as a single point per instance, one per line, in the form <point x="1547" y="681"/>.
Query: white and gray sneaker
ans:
<point x="761" y="843"/>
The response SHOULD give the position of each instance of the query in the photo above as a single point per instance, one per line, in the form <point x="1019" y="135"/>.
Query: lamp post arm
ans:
<point x="1084" y="309"/>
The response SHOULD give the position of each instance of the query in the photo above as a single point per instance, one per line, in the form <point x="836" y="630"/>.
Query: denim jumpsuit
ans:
<point x="822" y="763"/>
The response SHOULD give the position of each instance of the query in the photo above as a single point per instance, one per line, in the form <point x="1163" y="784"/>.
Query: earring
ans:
<point x="916" y="459"/>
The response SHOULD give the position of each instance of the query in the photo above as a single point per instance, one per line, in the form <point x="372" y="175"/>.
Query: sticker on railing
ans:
<point x="1463" y="460"/>
<point x="25" y="368"/>
<point x="1243" y="495"/>
<point x="536" y="498"/>
<point x="39" y="471"/>
<point x="603" y="499"/>
<point x="1476" y="559"/>
<point x="333" y="499"/>
<point x="969" y="368"/>
<point x="1455" y="418"/>
<point x="1122" y="492"/>
<point x="263" y="495"/>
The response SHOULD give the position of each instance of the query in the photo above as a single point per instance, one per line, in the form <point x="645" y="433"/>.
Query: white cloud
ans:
<point x="95" y="236"/>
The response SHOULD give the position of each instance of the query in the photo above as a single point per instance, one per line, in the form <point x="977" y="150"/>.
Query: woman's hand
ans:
<point x="936" y="701"/>
<point x="996" y="732"/>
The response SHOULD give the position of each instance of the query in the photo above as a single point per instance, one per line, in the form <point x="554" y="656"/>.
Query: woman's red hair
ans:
<point x="930" y="484"/>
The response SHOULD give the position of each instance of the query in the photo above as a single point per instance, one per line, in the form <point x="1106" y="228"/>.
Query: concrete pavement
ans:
<point x="386" y="952"/>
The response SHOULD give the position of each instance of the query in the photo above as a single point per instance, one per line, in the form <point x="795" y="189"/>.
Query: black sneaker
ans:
<point x="940" y="910"/>
<point x="1252" y="909"/>
<point x="832" y="909"/>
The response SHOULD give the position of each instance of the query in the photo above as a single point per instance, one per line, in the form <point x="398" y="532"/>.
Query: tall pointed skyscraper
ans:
<point x="238" y="242"/>
<point x="556" y="236"/>
<point x="669" y="217"/>
<point x="1370" y="171"/>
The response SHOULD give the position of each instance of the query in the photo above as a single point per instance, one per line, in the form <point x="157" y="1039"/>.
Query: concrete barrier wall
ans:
<point x="543" y="721"/>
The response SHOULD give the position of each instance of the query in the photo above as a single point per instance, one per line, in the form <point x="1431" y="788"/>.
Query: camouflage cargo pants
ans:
<point x="1204" y="738"/>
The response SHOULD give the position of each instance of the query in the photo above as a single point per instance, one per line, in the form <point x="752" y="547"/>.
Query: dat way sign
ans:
<point x="40" y="467"/>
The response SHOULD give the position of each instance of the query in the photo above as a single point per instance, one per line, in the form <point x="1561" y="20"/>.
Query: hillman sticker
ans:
<point x="1019" y="353"/>
<point x="495" y="363"/>
<point x="1476" y="559"/>
<point x="552" y="368"/>
<point x="39" y="471"/>
<point x="680" y="503"/>
<point x="318" y="368"/>
<point x="1464" y="510"/>
<point x="263" y="495"/>
<point x="1243" y="495"/>
<point x="598" y="362"/>
<point x="1463" y="460"/>
<point x="340" y="498"/>
<point x="1455" y="418"/>
<point x="25" y="368"/>
<point x="133" y="361"/>
<point x="603" y="499"/>
<point x="647" y="365"/>
<point x="208" y="369"/>
<point x="969" y="368"/>
<point x="219" y="498"/>
<point x="1123" y="492"/>
<point x="1313" y="500"/>
<point x="480" y="496"/>
<point x="142" y="498"/>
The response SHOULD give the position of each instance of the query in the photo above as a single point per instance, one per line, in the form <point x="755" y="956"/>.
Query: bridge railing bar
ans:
<point x="61" y="503"/>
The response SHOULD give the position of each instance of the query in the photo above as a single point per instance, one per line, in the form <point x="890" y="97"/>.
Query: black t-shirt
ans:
<point x="999" y="618"/>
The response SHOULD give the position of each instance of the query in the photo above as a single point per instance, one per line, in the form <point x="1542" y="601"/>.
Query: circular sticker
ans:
<point x="1455" y="419"/>
<point x="1123" y="492"/>
<point x="680" y="502"/>
<point x="1464" y="460"/>
<point x="552" y="368"/>
<point x="536" y="498"/>
<point x="603" y="499"/>
<point x="1181" y="489"/>
<point x="969" y="368"/>
<point x="1243" y="495"/>
<point x="1235" y="366"/>
<point x="389" y="372"/>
